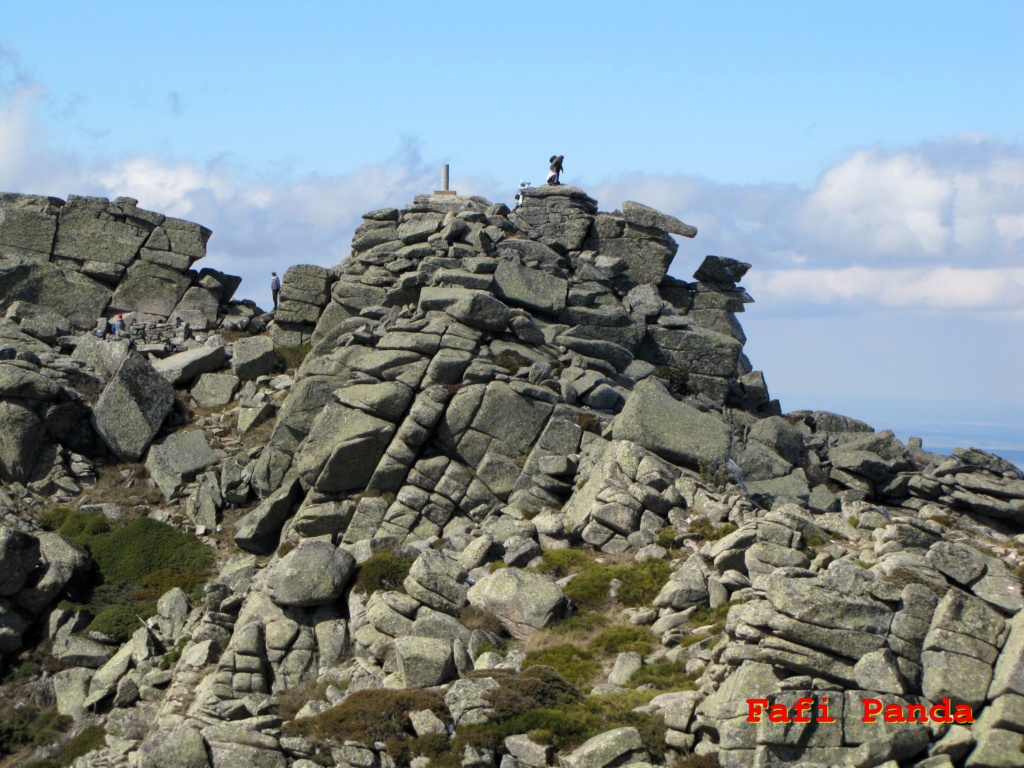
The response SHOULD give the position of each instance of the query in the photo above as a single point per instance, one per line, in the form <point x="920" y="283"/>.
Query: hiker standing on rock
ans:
<point x="555" y="172"/>
<point x="275" y="287"/>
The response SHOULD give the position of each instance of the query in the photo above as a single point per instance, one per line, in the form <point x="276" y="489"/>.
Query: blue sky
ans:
<point x="866" y="157"/>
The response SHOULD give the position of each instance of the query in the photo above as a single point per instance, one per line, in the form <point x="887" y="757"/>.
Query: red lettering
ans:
<point x="962" y="714"/>
<point x="754" y="709"/>
<point x="894" y="714"/>
<point x="778" y="713"/>
<point x="823" y="716"/>
<point x="802" y="710"/>
<point x="871" y="708"/>
<point x="940" y="712"/>
<point x="917" y="709"/>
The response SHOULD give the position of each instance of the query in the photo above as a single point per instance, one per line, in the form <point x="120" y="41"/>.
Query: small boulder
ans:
<point x="182" y="747"/>
<point x="721" y="270"/>
<point x="523" y="601"/>
<point x="620" y="746"/>
<point x="185" y="366"/>
<point x="253" y="357"/>
<point x="314" y="573"/>
<point x="215" y="390"/>
<point x="19" y="556"/>
<point x="178" y="458"/>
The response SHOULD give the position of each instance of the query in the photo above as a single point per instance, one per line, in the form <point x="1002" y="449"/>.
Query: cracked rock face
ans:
<point x="483" y="390"/>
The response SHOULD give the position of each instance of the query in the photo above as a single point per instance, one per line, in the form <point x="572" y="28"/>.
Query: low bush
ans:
<point x="695" y="761"/>
<point x="709" y="530"/>
<point x="573" y="662"/>
<point x="568" y="724"/>
<point x="714" y="616"/>
<point x="137" y="563"/>
<point x="384" y="570"/>
<point x="559" y="563"/>
<point x="664" y="676"/>
<point x="641" y="582"/>
<point x="29" y="727"/>
<point x="715" y="475"/>
<point x="144" y="547"/>
<point x="677" y="381"/>
<point x="371" y="715"/>
<point x="92" y="737"/>
<point x="581" y="626"/>
<point x="623" y="638"/>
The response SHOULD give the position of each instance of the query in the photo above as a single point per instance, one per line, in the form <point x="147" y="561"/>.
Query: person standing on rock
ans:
<point x="520" y="197"/>
<point x="275" y="286"/>
<point x="555" y="172"/>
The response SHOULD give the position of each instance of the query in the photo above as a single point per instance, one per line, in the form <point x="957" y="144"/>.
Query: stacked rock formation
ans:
<point x="483" y="388"/>
<point x="69" y="263"/>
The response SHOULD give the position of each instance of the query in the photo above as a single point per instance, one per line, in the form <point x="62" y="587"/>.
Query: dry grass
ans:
<point x="114" y="486"/>
<point x="258" y="435"/>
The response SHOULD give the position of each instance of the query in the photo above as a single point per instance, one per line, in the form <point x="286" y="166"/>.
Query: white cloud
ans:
<point x="959" y="200"/>
<point x="942" y="288"/>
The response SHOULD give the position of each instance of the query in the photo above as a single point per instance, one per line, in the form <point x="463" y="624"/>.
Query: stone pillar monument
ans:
<point x="444" y="191"/>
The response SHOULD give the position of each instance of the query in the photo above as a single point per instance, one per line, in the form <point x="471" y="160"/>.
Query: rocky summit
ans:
<point x="494" y="491"/>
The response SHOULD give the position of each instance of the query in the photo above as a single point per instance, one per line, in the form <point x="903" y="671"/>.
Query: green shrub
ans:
<point x="371" y="715"/>
<point x="82" y="527"/>
<point x="667" y="537"/>
<point x="573" y="662"/>
<point x="137" y="563"/>
<point x="582" y="625"/>
<point x="92" y="737"/>
<point x="589" y="590"/>
<point x="696" y="761"/>
<point x="559" y="563"/>
<point x="384" y="570"/>
<point x="29" y="727"/>
<point x="715" y="475"/>
<point x="130" y="554"/>
<point x="714" y="616"/>
<point x="538" y="685"/>
<point x="53" y="518"/>
<point x="623" y="638"/>
<point x="709" y="530"/>
<point x="118" y="620"/>
<point x="664" y="676"/>
<point x="569" y="724"/>
<point x="677" y="381"/>
<point x="641" y="582"/>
